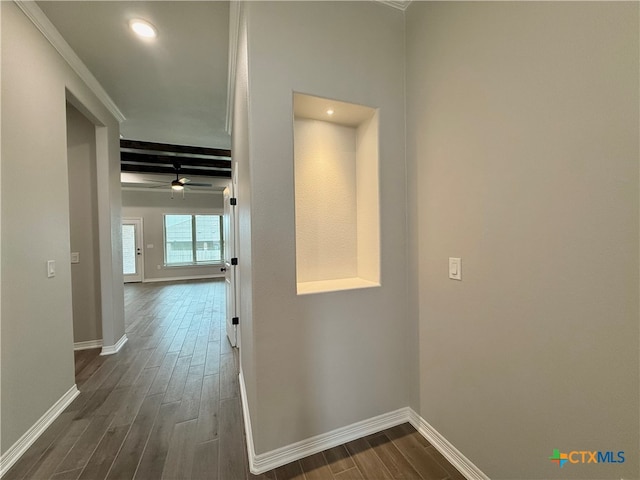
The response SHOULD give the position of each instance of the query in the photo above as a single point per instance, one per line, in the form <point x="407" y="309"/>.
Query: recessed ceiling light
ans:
<point x="142" y="28"/>
<point x="330" y="112"/>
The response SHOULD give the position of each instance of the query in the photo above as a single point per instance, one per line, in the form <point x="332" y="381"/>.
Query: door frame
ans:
<point x="230" y="271"/>
<point x="138" y="222"/>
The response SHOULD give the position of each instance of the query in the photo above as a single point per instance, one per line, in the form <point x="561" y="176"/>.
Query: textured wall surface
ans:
<point x="326" y="205"/>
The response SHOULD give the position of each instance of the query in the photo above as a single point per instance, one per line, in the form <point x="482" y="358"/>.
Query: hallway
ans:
<point x="176" y="374"/>
<point x="167" y="406"/>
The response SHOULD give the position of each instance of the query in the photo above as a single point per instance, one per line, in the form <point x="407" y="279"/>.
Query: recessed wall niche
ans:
<point x="336" y="195"/>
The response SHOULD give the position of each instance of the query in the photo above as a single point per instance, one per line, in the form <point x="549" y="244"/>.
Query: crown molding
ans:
<point x="397" y="4"/>
<point x="49" y="31"/>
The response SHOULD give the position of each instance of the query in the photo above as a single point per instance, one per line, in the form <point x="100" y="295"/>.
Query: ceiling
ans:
<point x="172" y="89"/>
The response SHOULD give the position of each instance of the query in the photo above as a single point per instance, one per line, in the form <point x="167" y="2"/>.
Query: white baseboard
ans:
<point x="111" y="349"/>
<point x="176" y="279"/>
<point x="448" y="451"/>
<point x="88" y="345"/>
<point x="13" y="454"/>
<point x="276" y="458"/>
<point x="281" y="456"/>
<point x="251" y="453"/>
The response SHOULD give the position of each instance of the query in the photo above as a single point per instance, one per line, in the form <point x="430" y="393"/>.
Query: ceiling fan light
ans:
<point x="177" y="185"/>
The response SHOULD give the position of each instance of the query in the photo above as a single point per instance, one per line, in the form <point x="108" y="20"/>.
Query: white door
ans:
<point x="132" y="257"/>
<point x="228" y="233"/>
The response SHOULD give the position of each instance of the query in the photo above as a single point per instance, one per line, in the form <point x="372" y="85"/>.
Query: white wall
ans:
<point x="83" y="222"/>
<point x="319" y="362"/>
<point x="37" y="333"/>
<point x="151" y="206"/>
<point x="523" y="160"/>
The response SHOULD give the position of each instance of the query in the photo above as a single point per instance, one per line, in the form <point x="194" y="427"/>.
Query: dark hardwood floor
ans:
<point x="167" y="406"/>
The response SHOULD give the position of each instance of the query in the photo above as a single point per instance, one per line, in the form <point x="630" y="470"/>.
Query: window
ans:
<point x="192" y="239"/>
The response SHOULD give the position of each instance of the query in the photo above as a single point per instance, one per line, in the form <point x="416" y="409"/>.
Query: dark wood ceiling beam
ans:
<point x="182" y="160"/>
<point x="167" y="147"/>
<point x="169" y="170"/>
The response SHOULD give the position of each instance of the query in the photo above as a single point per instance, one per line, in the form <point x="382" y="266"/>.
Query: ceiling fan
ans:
<point x="179" y="184"/>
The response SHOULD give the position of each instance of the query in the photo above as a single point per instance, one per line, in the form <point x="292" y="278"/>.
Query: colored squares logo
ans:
<point x="559" y="458"/>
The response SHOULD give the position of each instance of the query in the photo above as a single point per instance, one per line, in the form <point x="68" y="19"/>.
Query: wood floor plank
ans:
<point x="98" y="377"/>
<point x="84" y="357"/>
<point x="87" y="372"/>
<point x="212" y="363"/>
<point x="125" y="464"/>
<point x="232" y="464"/>
<point x="315" y="467"/>
<point x="229" y="386"/>
<point x="175" y="387"/>
<point x="100" y="462"/>
<point x="46" y="465"/>
<point x="396" y="462"/>
<point x="190" y="403"/>
<point x="290" y="471"/>
<point x="162" y="348"/>
<point x="93" y="403"/>
<point x="412" y="444"/>
<point x="350" y="474"/>
<point x="161" y="381"/>
<point x="136" y="367"/>
<point x="81" y="452"/>
<point x="178" y="340"/>
<point x="214" y="331"/>
<point x="189" y="344"/>
<point x="155" y="452"/>
<point x="200" y="350"/>
<point x="338" y="459"/>
<point x="179" y="462"/>
<point x="367" y="461"/>
<point x="205" y="461"/>
<point x="454" y="474"/>
<point x="209" y="409"/>
<point x="113" y="401"/>
<point x="67" y="475"/>
<point x="128" y="409"/>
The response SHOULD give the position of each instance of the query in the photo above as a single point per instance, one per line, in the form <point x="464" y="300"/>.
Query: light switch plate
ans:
<point x="51" y="268"/>
<point x="455" y="268"/>
<point x="75" y="257"/>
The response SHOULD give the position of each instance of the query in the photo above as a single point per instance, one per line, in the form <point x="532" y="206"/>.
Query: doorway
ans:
<point x="132" y="251"/>
<point x="84" y="245"/>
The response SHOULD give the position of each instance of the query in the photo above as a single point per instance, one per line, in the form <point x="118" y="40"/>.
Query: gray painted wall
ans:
<point x="151" y="206"/>
<point x="327" y="360"/>
<point x="523" y="160"/>
<point x="37" y="332"/>
<point x="83" y="222"/>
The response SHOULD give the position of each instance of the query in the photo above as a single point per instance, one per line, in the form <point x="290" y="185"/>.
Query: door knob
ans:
<point x="223" y="269"/>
